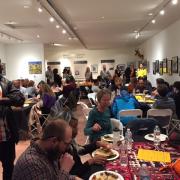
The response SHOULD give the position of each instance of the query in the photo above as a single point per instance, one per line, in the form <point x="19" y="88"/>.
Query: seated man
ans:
<point x="41" y="159"/>
<point x="164" y="102"/>
<point x="123" y="102"/>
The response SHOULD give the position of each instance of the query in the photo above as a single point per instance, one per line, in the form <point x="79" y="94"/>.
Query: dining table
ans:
<point x="130" y="172"/>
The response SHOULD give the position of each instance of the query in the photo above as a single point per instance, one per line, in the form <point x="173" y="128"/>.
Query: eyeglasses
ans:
<point x="67" y="143"/>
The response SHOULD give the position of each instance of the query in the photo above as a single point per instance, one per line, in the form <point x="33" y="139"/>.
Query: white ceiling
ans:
<point x="93" y="24"/>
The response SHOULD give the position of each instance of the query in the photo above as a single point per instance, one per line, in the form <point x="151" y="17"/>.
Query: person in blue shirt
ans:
<point x="123" y="102"/>
<point x="98" y="123"/>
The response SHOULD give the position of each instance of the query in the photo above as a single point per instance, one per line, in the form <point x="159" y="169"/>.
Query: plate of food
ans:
<point x="109" y="154"/>
<point x="102" y="175"/>
<point x="150" y="137"/>
<point x="109" y="137"/>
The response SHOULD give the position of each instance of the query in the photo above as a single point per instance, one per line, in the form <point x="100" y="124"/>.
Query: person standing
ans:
<point x="49" y="75"/>
<point x="9" y="96"/>
<point x="57" y="77"/>
<point x="141" y="71"/>
<point x="88" y="75"/>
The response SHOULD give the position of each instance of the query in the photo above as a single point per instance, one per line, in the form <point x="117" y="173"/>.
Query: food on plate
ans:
<point x="107" y="153"/>
<point x="108" y="137"/>
<point x="105" y="175"/>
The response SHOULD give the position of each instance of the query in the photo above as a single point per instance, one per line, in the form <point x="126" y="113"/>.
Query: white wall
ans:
<point x="165" y="44"/>
<point x="18" y="56"/>
<point x="66" y="57"/>
<point x="2" y="53"/>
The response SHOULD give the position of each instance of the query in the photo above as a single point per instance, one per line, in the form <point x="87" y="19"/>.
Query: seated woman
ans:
<point x="123" y="102"/>
<point x="98" y="123"/>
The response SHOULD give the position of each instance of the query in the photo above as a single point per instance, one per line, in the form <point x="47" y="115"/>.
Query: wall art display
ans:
<point x="55" y="65"/>
<point x="175" y="64"/>
<point x="161" y="67"/>
<point x="154" y="67"/>
<point x="122" y="67"/>
<point x="79" y="69"/>
<point x="35" y="67"/>
<point x="94" y="68"/>
<point x="109" y="65"/>
<point x="164" y="65"/>
<point x="169" y="67"/>
<point x="157" y="66"/>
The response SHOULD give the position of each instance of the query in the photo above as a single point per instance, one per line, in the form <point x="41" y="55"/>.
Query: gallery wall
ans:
<point x="67" y="57"/>
<point x="17" y="58"/>
<point x="2" y="53"/>
<point x="165" y="44"/>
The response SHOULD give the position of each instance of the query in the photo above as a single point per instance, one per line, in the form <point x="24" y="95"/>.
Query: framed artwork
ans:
<point x="161" y="67"/>
<point x="164" y="65"/>
<point x="169" y="67"/>
<point x="157" y="66"/>
<point x="35" y="67"/>
<point x="80" y="68"/>
<point x="175" y="64"/>
<point x="94" y="68"/>
<point x="154" y="67"/>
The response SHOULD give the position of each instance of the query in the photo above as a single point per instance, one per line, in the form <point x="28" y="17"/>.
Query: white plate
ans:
<point x="111" y="135"/>
<point x="119" y="177"/>
<point x="109" y="159"/>
<point x="163" y="137"/>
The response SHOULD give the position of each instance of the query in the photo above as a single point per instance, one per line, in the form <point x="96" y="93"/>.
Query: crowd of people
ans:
<point x="55" y="153"/>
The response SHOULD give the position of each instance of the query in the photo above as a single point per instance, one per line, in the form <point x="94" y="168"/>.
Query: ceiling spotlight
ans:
<point x="137" y="35"/>
<point x="70" y="38"/>
<point x="26" y="6"/>
<point x="40" y="9"/>
<point x="56" y="44"/>
<point x="64" y="31"/>
<point x="174" y="2"/>
<point x="153" y="21"/>
<point x="150" y="14"/>
<point x="51" y="19"/>
<point x="38" y="36"/>
<point x="57" y="26"/>
<point x="162" y="12"/>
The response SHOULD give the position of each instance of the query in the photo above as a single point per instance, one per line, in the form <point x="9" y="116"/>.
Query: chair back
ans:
<point x="131" y="112"/>
<point x="163" y="116"/>
<point x="92" y="99"/>
<point x="115" y="123"/>
<point x="85" y="109"/>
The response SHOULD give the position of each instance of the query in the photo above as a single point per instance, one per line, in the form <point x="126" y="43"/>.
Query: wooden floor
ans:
<point x="22" y="145"/>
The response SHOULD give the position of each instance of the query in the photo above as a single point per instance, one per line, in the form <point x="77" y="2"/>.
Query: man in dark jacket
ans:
<point x="9" y="96"/>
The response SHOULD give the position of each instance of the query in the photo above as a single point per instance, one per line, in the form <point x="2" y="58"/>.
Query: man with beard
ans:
<point x="46" y="158"/>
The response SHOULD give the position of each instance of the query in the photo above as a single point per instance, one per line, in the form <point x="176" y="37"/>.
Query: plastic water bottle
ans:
<point x="120" y="129"/>
<point x="144" y="173"/>
<point x="116" y="137"/>
<point x="128" y="139"/>
<point x="123" y="154"/>
<point x="157" y="134"/>
<point x="26" y="95"/>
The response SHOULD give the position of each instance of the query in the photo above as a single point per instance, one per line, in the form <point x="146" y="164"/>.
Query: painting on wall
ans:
<point x="161" y="67"/>
<point x="94" y="68"/>
<point x="55" y="65"/>
<point x="109" y="65"/>
<point x="175" y="64"/>
<point x="164" y="65"/>
<point x="35" y="67"/>
<point x="79" y="69"/>
<point x="169" y="67"/>
<point x="122" y="67"/>
<point x="157" y="66"/>
<point x="154" y="67"/>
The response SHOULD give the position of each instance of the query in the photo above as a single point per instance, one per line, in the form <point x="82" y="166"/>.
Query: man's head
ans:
<point x="104" y="67"/>
<point x="162" y="90"/>
<point x="141" y="82"/>
<point x="49" y="68"/>
<point x="17" y="83"/>
<point x="58" y="136"/>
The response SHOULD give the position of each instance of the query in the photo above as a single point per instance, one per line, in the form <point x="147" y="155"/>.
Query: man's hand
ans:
<point x="66" y="162"/>
<point x="96" y="127"/>
<point x="97" y="160"/>
<point x="103" y="144"/>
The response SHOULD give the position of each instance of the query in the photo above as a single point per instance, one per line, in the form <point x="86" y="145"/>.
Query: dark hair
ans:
<point x="177" y="85"/>
<point x="162" y="89"/>
<point x="101" y="93"/>
<point x="55" y="128"/>
<point x="159" y="81"/>
<point x="55" y="71"/>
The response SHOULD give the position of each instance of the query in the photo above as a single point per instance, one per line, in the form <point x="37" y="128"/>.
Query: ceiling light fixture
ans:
<point x="153" y="21"/>
<point x="174" y="2"/>
<point x="9" y="37"/>
<point x="38" y="36"/>
<point x="56" y="44"/>
<point x="51" y="19"/>
<point x="64" y="31"/>
<point x="57" y="26"/>
<point x="40" y="9"/>
<point x="51" y="9"/>
<point x="162" y="12"/>
<point x="137" y="35"/>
